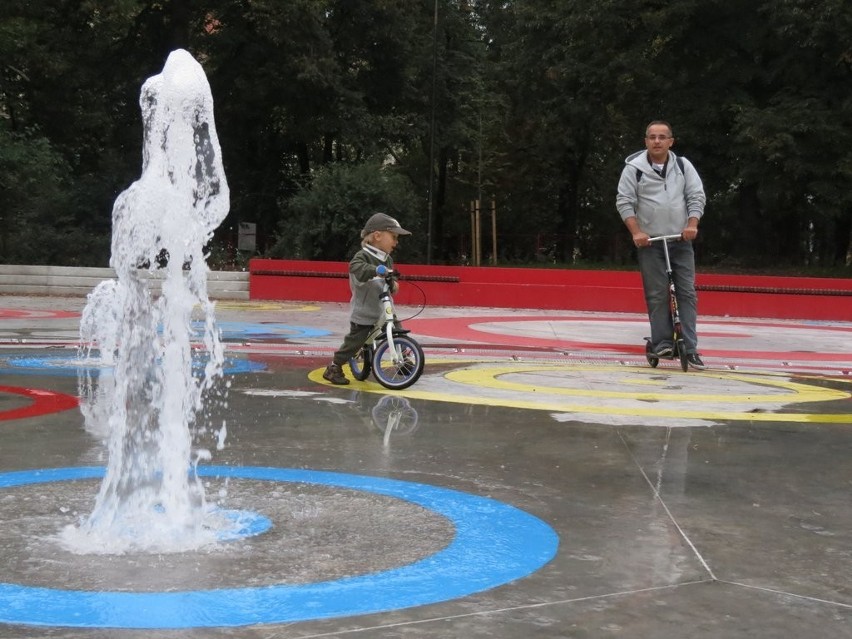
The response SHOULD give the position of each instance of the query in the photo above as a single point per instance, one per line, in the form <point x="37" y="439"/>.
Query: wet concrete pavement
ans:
<point x="703" y="504"/>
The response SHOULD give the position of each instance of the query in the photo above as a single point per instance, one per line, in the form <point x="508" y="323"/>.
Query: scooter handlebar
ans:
<point x="661" y="238"/>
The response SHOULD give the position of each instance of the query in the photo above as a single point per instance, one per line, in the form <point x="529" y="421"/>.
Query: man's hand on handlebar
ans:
<point x="641" y="239"/>
<point x="689" y="233"/>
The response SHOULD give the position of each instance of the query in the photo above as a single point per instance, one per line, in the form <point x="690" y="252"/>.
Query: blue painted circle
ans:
<point x="57" y="366"/>
<point x="247" y="523"/>
<point x="249" y="330"/>
<point x="495" y="543"/>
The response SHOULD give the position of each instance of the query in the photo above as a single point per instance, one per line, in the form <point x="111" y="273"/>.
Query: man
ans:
<point x="661" y="194"/>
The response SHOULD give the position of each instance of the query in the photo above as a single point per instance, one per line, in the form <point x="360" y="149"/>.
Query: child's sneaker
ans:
<point x="334" y="374"/>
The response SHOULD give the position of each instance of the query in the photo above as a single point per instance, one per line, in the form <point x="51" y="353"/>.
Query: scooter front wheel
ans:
<point x="680" y="347"/>
<point x="400" y="369"/>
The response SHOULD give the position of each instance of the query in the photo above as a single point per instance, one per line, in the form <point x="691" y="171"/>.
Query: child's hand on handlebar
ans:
<point x="390" y="277"/>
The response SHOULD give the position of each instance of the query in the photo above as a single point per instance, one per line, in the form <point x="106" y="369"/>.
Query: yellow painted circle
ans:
<point x="266" y="306"/>
<point x="486" y="385"/>
<point x="491" y="378"/>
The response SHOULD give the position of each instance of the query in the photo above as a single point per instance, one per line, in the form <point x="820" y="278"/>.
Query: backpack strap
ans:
<point x="679" y="161"/>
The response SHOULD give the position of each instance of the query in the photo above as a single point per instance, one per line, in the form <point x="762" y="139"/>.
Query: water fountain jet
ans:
<point x="150" y="499"/>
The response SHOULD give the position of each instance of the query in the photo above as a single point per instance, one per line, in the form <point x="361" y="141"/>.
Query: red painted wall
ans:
<point x="558" y="289"/>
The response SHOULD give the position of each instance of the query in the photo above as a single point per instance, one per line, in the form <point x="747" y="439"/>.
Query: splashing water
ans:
<point x="150" y="499"/>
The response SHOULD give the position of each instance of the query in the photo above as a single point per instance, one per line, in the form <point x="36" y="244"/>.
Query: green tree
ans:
<point x="324" y="219"/>
<point x="36" y="226"/>
<point x="796" y="132"/>
<point x="58" y="92"/>
<point x="568" y="69"/>
<point x="756" y="93"/>
<point x="302" y="84"/>
<point x="532" y="104"/>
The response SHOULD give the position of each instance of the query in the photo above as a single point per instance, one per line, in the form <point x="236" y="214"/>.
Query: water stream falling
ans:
<point x="150" y="499"/>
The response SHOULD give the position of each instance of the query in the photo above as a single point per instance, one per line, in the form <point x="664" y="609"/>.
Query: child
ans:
<point x="378" y="239"/>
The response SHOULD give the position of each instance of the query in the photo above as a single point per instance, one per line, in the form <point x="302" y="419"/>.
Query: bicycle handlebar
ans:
<point x="388" y="279"/>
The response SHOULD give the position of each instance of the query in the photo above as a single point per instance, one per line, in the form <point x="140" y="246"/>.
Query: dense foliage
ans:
<point x="329" y="109"/>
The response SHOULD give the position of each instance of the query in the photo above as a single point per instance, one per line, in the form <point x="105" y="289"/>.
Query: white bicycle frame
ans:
<point x="386" y="322"/>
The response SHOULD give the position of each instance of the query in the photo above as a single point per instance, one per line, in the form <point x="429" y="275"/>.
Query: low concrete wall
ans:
<point x="807" y="298"/>
<point x="70" y="281"/>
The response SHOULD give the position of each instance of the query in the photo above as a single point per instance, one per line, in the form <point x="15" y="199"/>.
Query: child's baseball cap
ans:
<point x="383" y="222"/>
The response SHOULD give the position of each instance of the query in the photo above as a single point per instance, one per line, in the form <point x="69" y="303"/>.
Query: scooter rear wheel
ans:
<point x="653" y="360"/>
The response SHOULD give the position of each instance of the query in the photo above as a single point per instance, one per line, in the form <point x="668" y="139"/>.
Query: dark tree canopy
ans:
<point x="328" y="109"/>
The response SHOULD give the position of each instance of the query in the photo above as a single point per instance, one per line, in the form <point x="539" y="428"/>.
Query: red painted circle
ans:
<point x="465" y="328"/>
<point x="11" y="313"/>
<point x="43" y="403"/>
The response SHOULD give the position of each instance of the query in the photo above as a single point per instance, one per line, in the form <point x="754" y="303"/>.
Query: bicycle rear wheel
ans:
<point x="407" y="368"/>
<point x="360" y="365"/>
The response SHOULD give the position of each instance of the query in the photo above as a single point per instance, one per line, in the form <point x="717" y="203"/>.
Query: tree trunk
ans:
<point x="843" y="240"/>
<point x="327" y="149"/>
<point x="567" y="228"/>
<point x="304" y="158"/>
<point x="440" y="199"/>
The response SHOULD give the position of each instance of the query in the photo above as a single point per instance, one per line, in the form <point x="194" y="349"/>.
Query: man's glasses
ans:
<point x="661" y="138"/>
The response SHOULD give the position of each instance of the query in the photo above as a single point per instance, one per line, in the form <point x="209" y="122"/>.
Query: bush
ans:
<point x="323" y="221"/>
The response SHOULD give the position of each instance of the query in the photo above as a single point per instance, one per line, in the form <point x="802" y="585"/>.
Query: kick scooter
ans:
<point x="679" y="349"/>
<point x="395" y="358"/>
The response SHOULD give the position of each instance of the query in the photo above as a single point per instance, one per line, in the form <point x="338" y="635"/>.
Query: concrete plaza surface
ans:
<point x="539" y="480"/>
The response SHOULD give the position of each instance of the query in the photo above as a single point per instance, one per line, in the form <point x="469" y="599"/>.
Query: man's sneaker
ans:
<point x="663" y="350"/>
<point x="335" y="375"/>
<point x="695" y="361"/>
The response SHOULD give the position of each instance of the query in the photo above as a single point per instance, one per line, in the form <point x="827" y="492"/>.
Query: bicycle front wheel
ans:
<point x="360" y="365"/>
<point x="393" y="415"/>
<point x="400" y="369"/>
